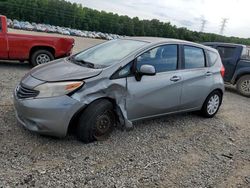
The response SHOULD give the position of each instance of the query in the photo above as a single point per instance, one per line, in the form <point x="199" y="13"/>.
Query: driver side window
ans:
<point x="163" y="58"/>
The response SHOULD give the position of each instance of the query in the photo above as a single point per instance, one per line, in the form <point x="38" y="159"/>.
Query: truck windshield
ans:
<point x="108" y="53"/>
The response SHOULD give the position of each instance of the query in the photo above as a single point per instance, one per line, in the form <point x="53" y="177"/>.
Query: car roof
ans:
<point x="153" y="39"/>
<point x="158" y="40"/>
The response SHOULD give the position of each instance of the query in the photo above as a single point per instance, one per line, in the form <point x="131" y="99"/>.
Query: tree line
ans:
<point x="67" y="14"/>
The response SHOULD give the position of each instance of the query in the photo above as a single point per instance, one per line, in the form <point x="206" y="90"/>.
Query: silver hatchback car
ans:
<point x="118" y="82"/>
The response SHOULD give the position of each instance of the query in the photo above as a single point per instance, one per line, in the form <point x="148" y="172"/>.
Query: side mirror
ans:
<point x="147" y="70"/>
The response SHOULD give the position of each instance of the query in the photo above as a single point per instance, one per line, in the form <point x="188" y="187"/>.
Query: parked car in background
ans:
<point x="50" y="29"/>
<point x="27" y="26"/>
<point x="16" y="24"/>
<point x="65" y="32"/>
<point x="61" y="30"/>
<point x="121" y="80"/>
<point x="9" y="23"/>
<point x="37" y="27"/>
<point x="36" y="49"/>
<point x="236" y="60"/>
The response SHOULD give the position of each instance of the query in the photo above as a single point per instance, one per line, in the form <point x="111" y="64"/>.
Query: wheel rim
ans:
<point x="42" y="58"/>
<point x="104" y="125"/>
<point x="245" y="86"/>
<point x="213" y="104"/>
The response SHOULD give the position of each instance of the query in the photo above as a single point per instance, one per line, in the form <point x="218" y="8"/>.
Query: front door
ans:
<point x="158" y="94"/>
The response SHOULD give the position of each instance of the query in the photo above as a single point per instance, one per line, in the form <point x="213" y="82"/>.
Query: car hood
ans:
<point x="63" y="70"/>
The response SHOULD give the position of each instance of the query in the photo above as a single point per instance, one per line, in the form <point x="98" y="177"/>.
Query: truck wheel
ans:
<point x="243" y="85"/>
<point x="41" y="57"/>
<point x="211" y="105"/>
<point x="96" y="122"/>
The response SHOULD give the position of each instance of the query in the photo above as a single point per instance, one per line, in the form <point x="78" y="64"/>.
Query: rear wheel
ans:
<point x="96" y="122"/>
<point x="212" y="104"/>
<point x="243" y="85"/>
<point x="41" y="57"/>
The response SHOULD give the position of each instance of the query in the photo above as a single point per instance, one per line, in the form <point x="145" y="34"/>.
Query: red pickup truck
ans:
<point x="35" y="49"/>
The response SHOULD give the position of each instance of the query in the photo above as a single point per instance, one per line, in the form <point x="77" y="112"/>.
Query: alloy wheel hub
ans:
<point x="213" y="104"/>
<point x="245" y="86"/>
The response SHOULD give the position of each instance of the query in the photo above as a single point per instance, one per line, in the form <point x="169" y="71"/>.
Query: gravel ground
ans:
<point x="175" y="151"/>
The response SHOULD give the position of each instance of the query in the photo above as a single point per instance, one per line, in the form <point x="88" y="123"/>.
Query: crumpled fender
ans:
<point x="105" y="88"/>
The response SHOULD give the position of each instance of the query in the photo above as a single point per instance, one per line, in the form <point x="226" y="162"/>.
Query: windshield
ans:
<point x="109" y="53"/>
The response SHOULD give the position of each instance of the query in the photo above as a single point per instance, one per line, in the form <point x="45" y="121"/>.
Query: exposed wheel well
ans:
<point x="221" y="92"/>
<point x="239" y="76"/>
<point x="75" y="118"/>
<point x="35" y="48"/>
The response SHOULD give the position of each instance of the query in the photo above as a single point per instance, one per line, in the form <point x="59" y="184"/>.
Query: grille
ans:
<point x="23" y="93"/>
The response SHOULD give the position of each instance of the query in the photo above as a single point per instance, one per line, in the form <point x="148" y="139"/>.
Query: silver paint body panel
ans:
<point x="151" y="97"/>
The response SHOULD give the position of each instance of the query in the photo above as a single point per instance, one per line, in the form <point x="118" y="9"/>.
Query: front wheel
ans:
<point x="243" y="85"/>
<point x="212" y="104"/>
<point x="41" y="57"/>
<point x="96" y="122"/>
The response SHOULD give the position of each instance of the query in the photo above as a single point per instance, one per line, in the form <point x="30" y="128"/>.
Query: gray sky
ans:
<point x="184" y="13"/>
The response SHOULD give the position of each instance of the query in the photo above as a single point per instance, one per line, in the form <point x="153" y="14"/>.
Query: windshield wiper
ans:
<point x="82" y="62"/>
<point x="89" y="64"/>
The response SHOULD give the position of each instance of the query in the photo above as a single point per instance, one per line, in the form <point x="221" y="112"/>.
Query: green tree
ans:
<point x="67" y="14"/>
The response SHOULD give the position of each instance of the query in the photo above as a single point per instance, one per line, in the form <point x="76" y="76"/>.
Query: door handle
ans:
<point x="209" y="73"/>
<point x="175" y="78"/>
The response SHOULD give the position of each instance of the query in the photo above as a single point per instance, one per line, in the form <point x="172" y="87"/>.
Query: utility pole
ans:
<point x="223" y="25"/>
<point x="203" y="24"/>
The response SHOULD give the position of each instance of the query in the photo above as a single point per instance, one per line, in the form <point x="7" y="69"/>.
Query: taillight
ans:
<point x="222" y="71"/>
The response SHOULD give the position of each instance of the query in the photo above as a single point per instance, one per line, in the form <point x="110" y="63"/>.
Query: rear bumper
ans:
<point x="48" y="116"/>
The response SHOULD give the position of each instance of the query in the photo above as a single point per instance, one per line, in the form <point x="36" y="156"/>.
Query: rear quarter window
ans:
<point x="212" y="57"/>
<point x="245" y="53"/>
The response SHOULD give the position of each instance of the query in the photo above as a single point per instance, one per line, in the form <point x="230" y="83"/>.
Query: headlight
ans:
<point x="57" y="88"/>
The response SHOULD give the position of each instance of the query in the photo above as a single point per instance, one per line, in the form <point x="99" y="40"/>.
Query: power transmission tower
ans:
<point x="223" y="25"/>
<point x="203" y="24"/>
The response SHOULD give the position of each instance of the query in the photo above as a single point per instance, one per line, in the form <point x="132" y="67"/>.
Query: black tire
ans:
<point x="97" y="115"/>
<point x="243" y="85"/>
<point x="44" y="54"/>
<point x="205" y="111"/>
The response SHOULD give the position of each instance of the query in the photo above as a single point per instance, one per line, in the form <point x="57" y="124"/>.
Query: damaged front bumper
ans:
<point x="47" y="116"/>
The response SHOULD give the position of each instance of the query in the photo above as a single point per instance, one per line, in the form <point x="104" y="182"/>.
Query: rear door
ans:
<point x="158" y="94"/>
<point x="197" y="78"/>
<point x="3" y="43"/>
<point x="229" y="59"/>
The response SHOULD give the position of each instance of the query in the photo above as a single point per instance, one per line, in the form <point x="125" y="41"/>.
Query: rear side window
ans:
<point x="245" y="53"/>
<point x="212" y="57"/>
<point x="0" y="25"/>
<point x="226" y="52"/>
<point x="194" y="57"/>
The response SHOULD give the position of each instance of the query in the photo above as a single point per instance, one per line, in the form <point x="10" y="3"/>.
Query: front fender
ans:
<point x="95" y="89"/>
